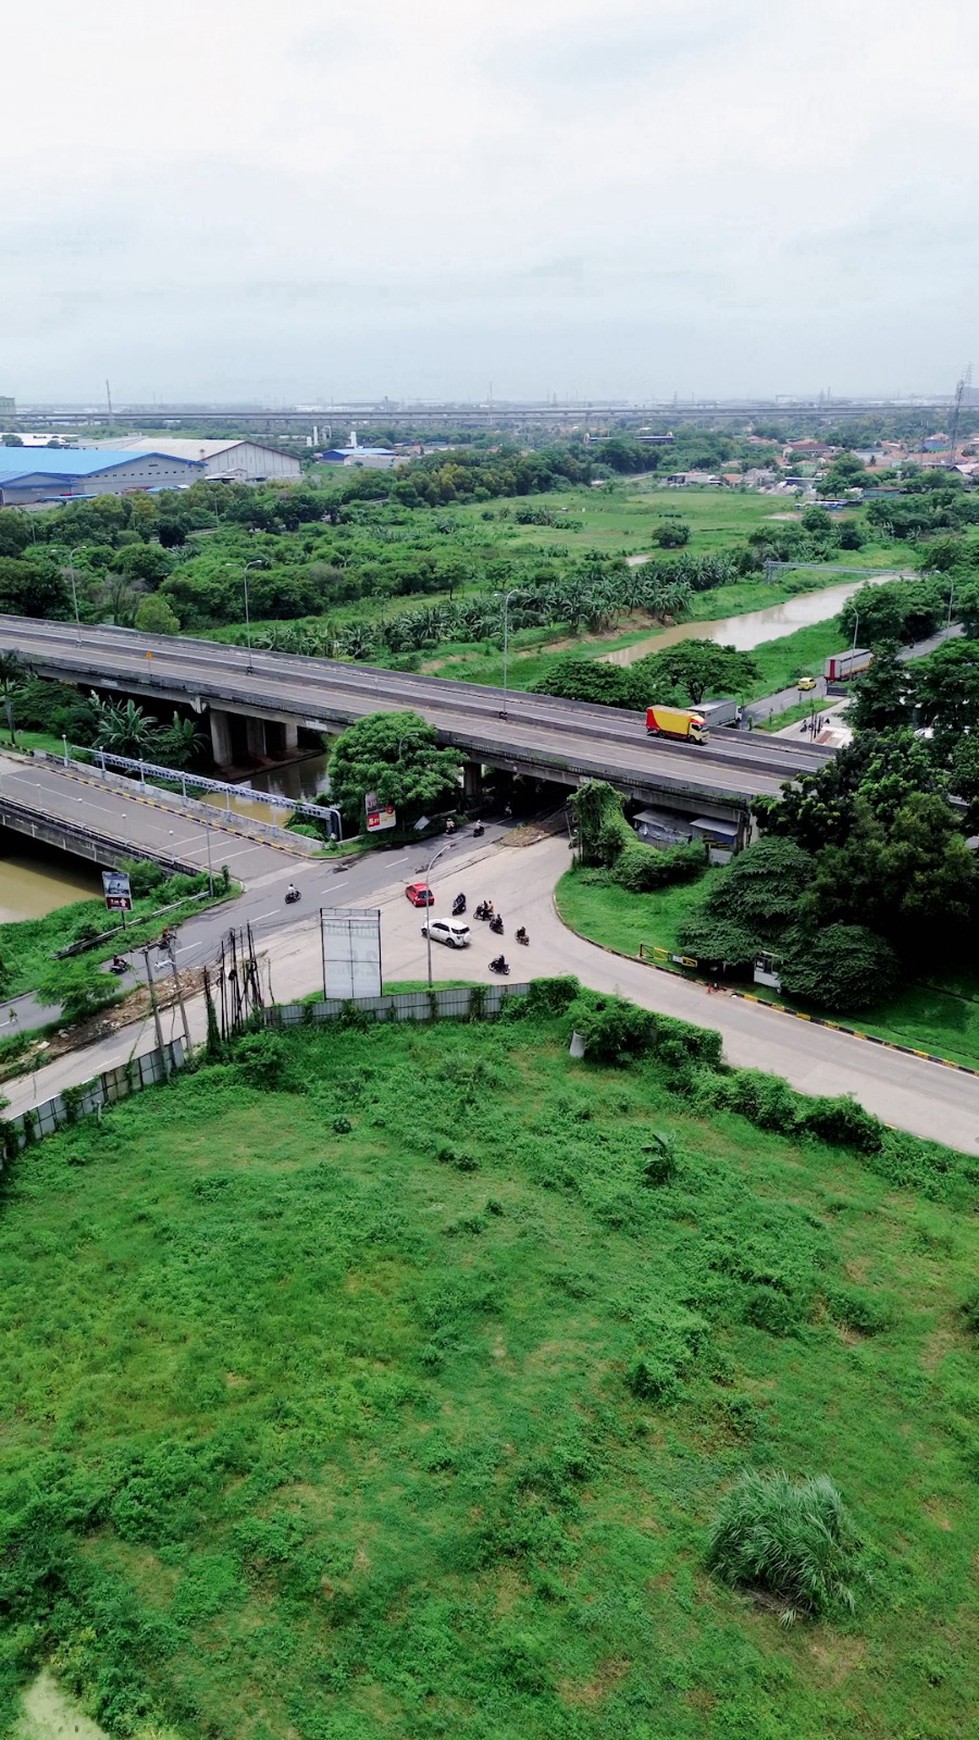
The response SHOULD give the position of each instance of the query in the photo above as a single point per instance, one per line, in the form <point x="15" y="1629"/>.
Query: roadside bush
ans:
<point x="144" y="876"/>
<point x="855" y="1309"/>
<point x="641" y="869"/>
<point x="551" y="997"/>
<point x="792" y="1541"/>
<point x="842" y="1121"/>
<point x="615" y="1031"/>
<point x="680" y="1042"/>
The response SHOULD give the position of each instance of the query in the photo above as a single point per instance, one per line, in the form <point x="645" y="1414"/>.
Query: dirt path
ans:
<point x="48" y="1715"/>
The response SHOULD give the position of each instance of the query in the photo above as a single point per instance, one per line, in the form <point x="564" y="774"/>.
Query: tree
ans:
<point x="947" y="690"/>
<point x="818" y="809"/>
<point x="752" y="906"/>
<point x="155" y="616"/>
<point x="126" y="729"/>
<point x="904" y="870"/>
<point x="693" y="668"/>
<point x="671" y="535"/>
<point x="842" y="967"/>
<point x="396" y="757"/>
<point x="12" y="675"/>
<point x="12" y="441"/>
<point x="148" y="562"/>
<point x="179" y="743"/>
<point x="884" y="695"/>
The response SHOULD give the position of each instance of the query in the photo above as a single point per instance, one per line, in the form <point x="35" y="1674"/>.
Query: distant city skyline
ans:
<point x="620" y="200"/>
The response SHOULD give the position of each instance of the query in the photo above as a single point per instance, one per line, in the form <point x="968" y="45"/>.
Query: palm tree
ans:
<point x="179" y="742"/>
<point x="125" y="729"/>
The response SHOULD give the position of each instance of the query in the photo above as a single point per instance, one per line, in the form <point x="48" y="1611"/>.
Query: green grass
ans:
<point x="325" y="1420"/>
<point x="940" y="1019"/>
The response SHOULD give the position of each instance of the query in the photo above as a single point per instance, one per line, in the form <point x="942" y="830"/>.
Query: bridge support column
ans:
<point x="255" y="737"/>
<point x="472" y="781"/>
<point x="291" y="738"/>
<point x="221" y="737"/>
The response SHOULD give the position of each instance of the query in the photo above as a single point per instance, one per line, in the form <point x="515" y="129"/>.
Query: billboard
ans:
<point x="351" y="940"/>
<point x="379" y="815"/>
<point x="118" y="894"/>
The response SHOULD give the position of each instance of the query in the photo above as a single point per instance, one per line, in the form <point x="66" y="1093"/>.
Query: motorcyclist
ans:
<point x="496" y="925"/>
<point x="499" y="965"/>
<point x="521" y="934"/>
<point x="292" y="892"/>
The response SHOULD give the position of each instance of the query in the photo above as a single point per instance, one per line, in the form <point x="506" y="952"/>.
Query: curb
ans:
<point x="777" y="1008"/>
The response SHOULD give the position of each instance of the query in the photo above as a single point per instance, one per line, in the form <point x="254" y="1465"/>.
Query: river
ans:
<point x="39" y="881"/>
<point x="751" y="629"/>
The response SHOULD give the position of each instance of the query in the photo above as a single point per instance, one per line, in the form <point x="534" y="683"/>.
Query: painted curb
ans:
<point x="777" y="1008"/>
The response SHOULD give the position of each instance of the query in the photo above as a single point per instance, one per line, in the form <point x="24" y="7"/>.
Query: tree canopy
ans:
<point x="396" y="756"/>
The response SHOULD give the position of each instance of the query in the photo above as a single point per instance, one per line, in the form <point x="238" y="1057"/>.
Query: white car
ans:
<point x="447" y="931"/>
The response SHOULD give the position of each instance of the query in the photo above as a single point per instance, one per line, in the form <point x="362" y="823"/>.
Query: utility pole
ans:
<point x="180" y="998"/>
<point x="108" y="400"/>
<point x="156" y="1012"/>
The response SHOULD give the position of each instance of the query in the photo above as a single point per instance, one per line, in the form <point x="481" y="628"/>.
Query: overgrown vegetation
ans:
<point x="310" y="1426"/>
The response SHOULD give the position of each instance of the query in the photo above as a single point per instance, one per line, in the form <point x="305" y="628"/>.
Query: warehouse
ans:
<point x="223" y="461"/>
<point x="30" y="475"/>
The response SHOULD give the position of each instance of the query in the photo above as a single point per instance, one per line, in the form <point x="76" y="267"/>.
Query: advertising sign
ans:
<point x="351" y="951"/>
<point x="385" y="817"/>
<point x="118" y="894"/>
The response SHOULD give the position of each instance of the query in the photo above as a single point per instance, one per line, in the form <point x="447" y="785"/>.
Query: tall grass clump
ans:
<point x="792" y="1541"/>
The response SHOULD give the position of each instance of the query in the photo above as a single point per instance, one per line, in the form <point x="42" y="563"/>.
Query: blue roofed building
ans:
<point x="31" y="474"/>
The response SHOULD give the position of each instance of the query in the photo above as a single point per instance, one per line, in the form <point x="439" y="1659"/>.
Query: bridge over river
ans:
<point x="260" y="700"/>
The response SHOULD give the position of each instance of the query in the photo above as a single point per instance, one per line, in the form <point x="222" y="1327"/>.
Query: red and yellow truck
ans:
<point x="682" y="722"/>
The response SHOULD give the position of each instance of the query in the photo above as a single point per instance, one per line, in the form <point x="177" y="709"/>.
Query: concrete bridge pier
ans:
<point x="472" y="781"/>
<point x="255" y="738"/>
<point x="221" y="737"/>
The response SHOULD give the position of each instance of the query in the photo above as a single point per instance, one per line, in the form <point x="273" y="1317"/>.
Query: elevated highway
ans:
<point x="536" y="735"/>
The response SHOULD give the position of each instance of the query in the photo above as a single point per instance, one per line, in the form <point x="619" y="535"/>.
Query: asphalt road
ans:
<point x="906" y="1091"/>
<point x="530" y="730"/>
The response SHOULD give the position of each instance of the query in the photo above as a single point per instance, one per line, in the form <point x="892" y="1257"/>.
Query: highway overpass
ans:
<point x="261" y="699"/>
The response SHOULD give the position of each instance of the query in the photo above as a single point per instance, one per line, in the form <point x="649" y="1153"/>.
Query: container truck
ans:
<point x="840" y="667"/>
<point x="724" y="711"/>
<point x="680" y="722"/>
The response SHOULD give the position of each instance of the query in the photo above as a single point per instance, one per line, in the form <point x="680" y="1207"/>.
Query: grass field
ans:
<point x="324" y="1422"/>
<point x="942" y="1019"/>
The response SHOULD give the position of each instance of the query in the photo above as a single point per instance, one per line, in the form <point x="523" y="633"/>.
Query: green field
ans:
<point x="942" y="1019"/>
<point x="323" y="1421"/>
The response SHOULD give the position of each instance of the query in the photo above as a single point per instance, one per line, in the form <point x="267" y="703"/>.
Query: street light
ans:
<point x="506" y="644"/>
<point x="428" y="904"/>
<point x="258" y="563"/>
<point x="74" y="592"/>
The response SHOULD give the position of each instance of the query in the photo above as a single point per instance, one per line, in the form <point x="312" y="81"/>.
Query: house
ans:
<point x="692" y="479"/>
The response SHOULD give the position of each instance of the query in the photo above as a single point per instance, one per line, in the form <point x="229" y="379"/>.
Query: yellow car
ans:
<point x="806" y="683"/>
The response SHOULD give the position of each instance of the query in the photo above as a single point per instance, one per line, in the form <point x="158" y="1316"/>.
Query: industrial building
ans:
<point x="221" y="461"/>
<point x="30" y="474"/>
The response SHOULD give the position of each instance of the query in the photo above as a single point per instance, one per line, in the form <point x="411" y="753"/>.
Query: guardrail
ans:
<point x="84" y="842"/>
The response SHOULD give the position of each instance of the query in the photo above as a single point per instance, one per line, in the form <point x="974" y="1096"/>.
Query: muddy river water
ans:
<point x="754" y="627"/>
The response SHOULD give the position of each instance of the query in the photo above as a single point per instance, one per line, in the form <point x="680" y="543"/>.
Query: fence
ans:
<point x="80" y="1102"/>
<point x="455" y="1003"/>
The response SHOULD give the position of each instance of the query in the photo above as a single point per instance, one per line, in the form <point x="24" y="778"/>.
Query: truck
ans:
<point x="840" y="667"/>
<point x="722" y="711"/>
<point x="681" y="722"/>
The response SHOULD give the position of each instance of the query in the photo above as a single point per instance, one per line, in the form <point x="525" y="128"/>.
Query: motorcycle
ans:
<point x="496" y="925"/>
<point x="458" y="905"/>
<point x="292" y="895"/>
<point x="118" y="965"/>
<point x="500" y="965"/>
<point x="484" y="909"/>
<point x="478" y="831"/>
<point x="522" y="937"/>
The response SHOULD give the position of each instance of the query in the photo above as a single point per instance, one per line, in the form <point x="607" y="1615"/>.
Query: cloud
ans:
<point x="734" y="198"/>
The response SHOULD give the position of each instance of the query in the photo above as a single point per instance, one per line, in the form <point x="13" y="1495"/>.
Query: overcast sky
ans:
<point x="293" y="201"/>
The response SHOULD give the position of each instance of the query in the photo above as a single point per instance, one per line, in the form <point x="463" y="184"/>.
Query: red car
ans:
<point x="420" y="894"/>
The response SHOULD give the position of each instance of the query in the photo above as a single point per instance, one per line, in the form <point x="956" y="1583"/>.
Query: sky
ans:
<point x="309" y="200"/>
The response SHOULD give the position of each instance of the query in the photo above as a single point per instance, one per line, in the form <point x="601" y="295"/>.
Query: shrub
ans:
<point x="551" y="996"/>
<point x="680" y="1041"/>
<point x="792" y="1541"/>
<point x="262" y="1058"/>
<point x="660" y="1165"/>
<point x="855" y="1309"/>
<point x="641" y="869"/>
<point x="652" y="1380"/>
<point x="970" y="1311"/>
<point x="615" y="1031"/>
<point x="842" y="1121"/>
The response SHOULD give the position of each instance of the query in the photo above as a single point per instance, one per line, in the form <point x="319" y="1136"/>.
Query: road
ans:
<point x="907" y="1092"/>
<point x="531" y="733"/>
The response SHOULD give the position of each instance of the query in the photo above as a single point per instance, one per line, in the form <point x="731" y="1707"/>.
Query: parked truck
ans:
<point x="840" y="667"/>
<point x="681" y="722"/>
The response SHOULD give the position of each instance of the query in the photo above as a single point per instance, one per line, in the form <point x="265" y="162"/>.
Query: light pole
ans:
<point x="248" y="625"/>
<point x="64" y="740"/>
<point x="951" y="600"/>
<point x="74" y="592"/>
<point x="856" y="628"/>
<point x="428" y="906"/>
<point x="506" y="644"/>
